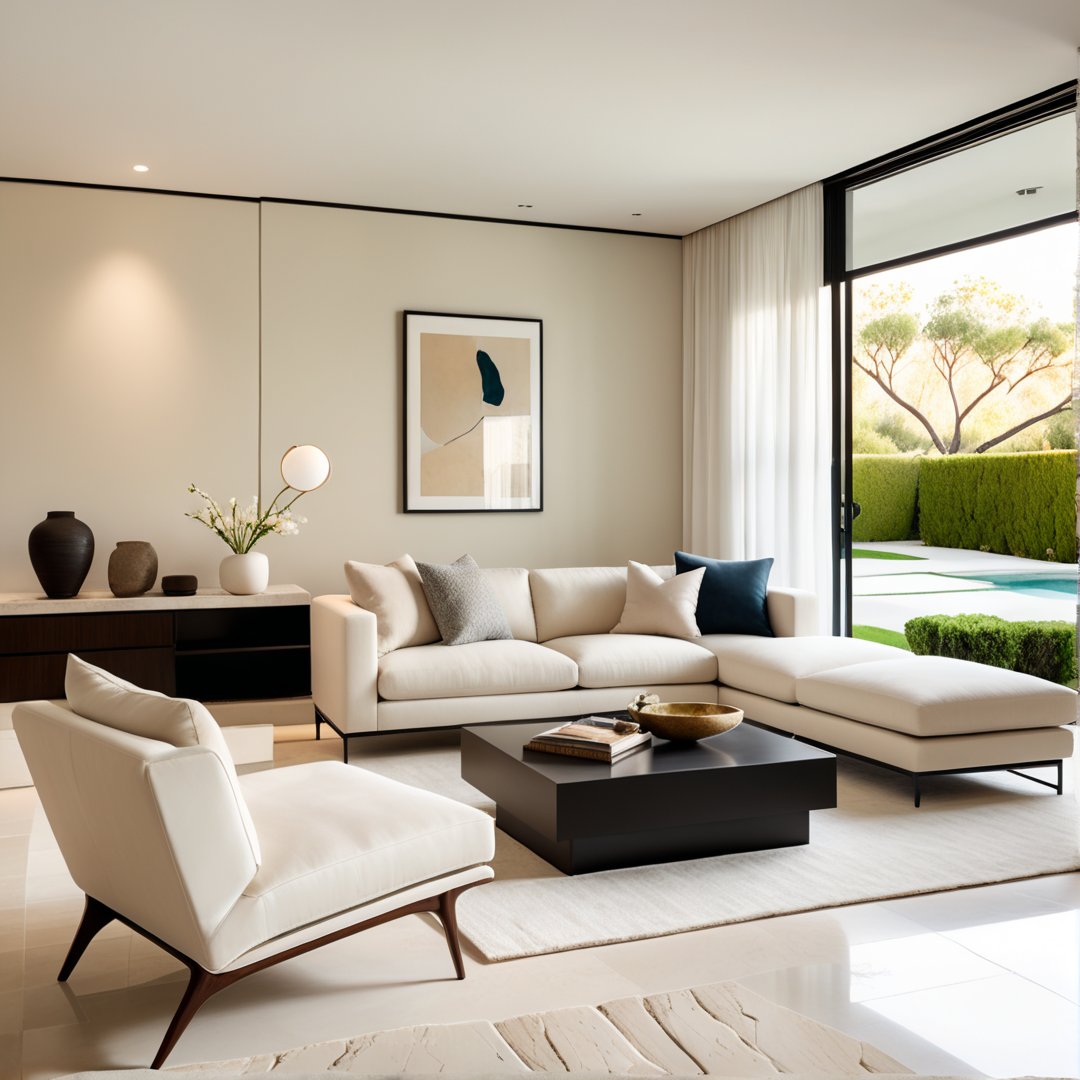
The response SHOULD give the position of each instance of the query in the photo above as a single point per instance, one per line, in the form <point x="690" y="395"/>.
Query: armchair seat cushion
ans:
<point x="635" y="660"/>
<point x="477" y="669"/>
<point x="335" y="836"/>
<point x="771" y="666"/>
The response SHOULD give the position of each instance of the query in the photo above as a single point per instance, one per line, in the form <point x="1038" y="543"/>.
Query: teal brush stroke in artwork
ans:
<point x="489" y="379"/>
<point x="491" y="387"/>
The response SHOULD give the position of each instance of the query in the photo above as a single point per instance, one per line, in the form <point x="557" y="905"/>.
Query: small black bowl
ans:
<point x="179" y="584"/>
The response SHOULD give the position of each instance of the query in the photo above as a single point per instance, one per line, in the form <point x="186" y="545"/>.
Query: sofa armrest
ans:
<point x="344" y="663"/>
<point x="792" y="612"/>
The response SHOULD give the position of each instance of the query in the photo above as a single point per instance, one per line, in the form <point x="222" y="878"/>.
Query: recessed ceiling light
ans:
<point x="141" y="168"/>
<point x="525" y="205"/>
<point x="1029" y="190"/>
<point x="637" y="214"/>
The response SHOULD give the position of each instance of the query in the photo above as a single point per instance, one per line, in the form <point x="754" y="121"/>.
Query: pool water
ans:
<point x="1046" y="587"/>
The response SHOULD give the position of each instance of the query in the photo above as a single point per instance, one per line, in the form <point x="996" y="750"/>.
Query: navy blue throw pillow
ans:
<point x="732" y="597"/>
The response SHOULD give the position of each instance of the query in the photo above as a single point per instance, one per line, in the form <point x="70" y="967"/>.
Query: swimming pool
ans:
<point x="1045" y="585"/>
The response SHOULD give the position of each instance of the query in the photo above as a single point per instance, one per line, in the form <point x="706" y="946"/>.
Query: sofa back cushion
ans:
<point x="511" y="586"/>
<point x="580" y="599"/>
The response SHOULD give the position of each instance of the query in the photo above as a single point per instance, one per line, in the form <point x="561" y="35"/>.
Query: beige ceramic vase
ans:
<point x="133" y="568"/>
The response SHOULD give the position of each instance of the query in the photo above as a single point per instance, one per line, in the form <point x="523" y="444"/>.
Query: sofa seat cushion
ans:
<point x="478" y="668"/>
<point x="936" y="695"/>
<point x="635" y="659"/>
<point x="770" y="666"/>
<point x="336" y="836"/>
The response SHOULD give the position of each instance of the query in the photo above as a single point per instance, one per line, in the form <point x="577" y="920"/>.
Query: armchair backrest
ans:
<point x="152" y="830"/>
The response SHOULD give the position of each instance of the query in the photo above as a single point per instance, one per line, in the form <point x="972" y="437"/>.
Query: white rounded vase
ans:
<point x="244" y="575"/>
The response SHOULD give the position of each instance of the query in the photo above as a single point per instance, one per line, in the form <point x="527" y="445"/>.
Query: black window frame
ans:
<point x="1057" y="101"/>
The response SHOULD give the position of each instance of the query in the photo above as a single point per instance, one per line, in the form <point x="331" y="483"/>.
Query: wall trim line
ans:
<point x="339" y="206"/>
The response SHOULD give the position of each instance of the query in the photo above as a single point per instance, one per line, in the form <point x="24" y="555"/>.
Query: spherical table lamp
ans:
<point x="305" y="468"/>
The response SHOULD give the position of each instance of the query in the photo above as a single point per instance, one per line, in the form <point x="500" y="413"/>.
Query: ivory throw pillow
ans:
<point x="394" y="594"/>
<point x="656" y="606"/>
<point x="107" y="699"/>
<point x="464" y="605"/>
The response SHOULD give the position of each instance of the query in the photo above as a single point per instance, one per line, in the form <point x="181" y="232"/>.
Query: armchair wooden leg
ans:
<point x="448" y="916"/>
<point x="204" y="984"/>
<point x="200" y="989"/>
<point x="96" y="916"/>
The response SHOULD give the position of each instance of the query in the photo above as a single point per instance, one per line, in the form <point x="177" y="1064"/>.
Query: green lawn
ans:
<point x="864" y="553"/>
<point x="885" y="637"/>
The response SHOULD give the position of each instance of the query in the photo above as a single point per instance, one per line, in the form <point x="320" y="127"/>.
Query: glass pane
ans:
<point x="966" y="195"/>
<point x="964" y="466"/>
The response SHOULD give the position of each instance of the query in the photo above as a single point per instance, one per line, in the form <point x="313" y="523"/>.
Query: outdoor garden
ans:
<point x="965" y="470"/>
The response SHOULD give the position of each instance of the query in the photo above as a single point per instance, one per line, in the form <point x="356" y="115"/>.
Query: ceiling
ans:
<point x="972" y="193"/>
<point x="682" y="111"/>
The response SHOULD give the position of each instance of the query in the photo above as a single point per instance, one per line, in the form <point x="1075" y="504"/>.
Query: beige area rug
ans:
<point x="970" y="830"/>
<point x="718" y="1030"/>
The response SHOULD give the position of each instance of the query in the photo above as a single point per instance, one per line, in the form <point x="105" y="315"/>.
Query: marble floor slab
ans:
<point x="848" y="967"/>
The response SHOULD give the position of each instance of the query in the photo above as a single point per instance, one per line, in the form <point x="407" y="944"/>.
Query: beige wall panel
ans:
<point x="335" y="283"/>
<point x="128" y="368"/>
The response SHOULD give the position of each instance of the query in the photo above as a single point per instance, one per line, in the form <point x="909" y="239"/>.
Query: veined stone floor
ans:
<point x="975" y="981"/>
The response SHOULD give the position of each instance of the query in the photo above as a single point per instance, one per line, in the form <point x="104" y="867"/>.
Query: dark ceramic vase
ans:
<point x="61" y="551"/>
<point x="132" y="568"/>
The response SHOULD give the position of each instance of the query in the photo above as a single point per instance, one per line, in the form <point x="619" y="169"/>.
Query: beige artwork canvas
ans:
<point x="475" y="416"/>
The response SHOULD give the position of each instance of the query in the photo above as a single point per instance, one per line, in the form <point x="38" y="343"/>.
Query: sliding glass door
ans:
<point x="952" y="269"/>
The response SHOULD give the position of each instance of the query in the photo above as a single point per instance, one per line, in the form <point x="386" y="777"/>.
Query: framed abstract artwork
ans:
<point x="473" y="419"/>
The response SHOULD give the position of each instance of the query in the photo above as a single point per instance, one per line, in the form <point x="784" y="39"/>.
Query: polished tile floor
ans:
<point x="976" y="981"/>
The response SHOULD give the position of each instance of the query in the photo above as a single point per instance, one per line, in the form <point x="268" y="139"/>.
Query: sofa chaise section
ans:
<point x="919" y="715"/>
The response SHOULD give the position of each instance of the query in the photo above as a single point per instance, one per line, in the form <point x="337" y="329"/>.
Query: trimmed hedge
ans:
<point x="1014" y="504"/>
<point x="1044" y="649"/>
<point x="885" y="487"/>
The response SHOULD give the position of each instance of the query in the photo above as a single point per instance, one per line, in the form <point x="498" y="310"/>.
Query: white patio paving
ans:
<point x="889" y="592"/>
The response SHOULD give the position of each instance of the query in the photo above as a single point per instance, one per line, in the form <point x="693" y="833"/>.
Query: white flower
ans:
<point x="243" y="527"/>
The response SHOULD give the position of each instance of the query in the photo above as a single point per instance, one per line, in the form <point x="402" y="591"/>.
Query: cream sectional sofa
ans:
<point x="918" y="715"/>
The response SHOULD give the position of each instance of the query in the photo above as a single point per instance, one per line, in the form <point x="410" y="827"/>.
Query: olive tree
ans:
<point x="979" y="342"/>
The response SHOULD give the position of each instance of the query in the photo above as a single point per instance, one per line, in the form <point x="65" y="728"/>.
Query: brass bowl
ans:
<point x="686" y="721"/>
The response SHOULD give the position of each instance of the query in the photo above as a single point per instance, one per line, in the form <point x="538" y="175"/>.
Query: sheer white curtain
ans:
<point x="757" y="403"/>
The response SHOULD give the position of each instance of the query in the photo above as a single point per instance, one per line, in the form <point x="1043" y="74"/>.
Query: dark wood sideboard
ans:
<point x="211" y="646"/>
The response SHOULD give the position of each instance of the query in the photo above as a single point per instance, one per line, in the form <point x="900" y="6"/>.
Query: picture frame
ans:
<point x="473" y="413"/>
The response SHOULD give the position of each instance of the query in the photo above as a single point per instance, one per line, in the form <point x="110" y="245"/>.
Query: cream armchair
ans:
<point x="229" y="875"/>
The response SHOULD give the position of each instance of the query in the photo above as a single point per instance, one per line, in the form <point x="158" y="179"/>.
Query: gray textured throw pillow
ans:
<point x="463" y="603"/>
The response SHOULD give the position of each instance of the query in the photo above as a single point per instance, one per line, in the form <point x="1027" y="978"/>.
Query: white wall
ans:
<point x="128" y="368"/>
<point x="335" y="283"/>
<point x="129" y="356"/>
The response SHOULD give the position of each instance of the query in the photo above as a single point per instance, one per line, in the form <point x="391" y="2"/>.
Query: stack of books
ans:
<point x="593" y="737"/>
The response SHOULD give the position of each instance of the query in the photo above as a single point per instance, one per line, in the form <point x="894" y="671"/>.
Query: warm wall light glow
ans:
<point x="141" y="168"/>
<point x="125" y="322"/>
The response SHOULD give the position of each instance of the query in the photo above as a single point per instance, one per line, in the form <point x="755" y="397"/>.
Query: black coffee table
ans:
<point x="745" y="790"/>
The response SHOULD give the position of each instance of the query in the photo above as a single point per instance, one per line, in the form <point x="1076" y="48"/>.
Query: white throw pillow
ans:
<point x="107" y="699"/>
<point x="656" y="606"/>
<point x="394" y="594"/>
